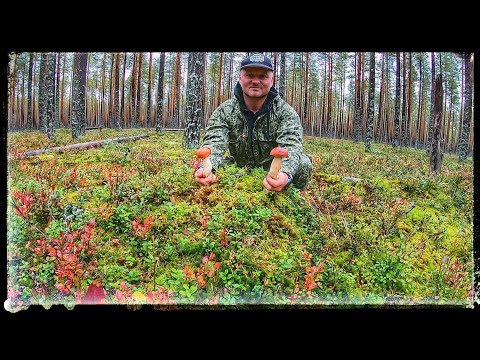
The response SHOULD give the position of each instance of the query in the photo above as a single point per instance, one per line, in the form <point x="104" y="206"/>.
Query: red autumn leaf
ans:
<point x="150" y="297"/>
<point x="51" y="251"/>
<point x="217" y="265"/>
<point x="94" y="295"/>
<point x="188" y="272"/>
<point x="148" y="221"/>
<point x="201" y="281"/>
<point x="123" y="286"/>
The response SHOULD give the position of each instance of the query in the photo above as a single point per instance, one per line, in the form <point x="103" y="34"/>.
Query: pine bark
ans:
<point x="57" y="94"/>
<point x="464" y="140"/>
<point x="432" y="100"/>
<point x="138" y="107"/>
<point x="42" y="104"/>
<point x="436" y="150"/>
<point x="396" y="129"/>
<point x="371" y="103"/>
<point x="50" y="96"/>
<point x="122" y="101"/>
<point x="161" y="75"/>
<point x="102" y="100"/>
<point x="78" y="120"/>
<point x="404" y="130"/>
<point x="116" y="97"/>
<point x="282" y="79"/>
<point x="194" y="112"/>
<point x="305" y="100"/>
<point x="149" y="94"/>
<point x="358" y="110"/>
<point x="29" y="92"/>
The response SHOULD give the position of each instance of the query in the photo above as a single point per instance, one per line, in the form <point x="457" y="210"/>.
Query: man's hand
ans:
<point x="276" y="185"/>
<point x="210" y="179"/>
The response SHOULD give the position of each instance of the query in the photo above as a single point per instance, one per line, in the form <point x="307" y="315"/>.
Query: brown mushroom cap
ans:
<point x="279" y="152"/>
<point x="203" y="152"/>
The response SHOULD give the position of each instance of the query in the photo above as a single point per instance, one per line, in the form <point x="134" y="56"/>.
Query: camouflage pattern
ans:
<point x="227" y="129"/>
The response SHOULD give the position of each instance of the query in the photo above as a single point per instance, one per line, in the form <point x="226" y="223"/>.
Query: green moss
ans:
<point x="384" y="236"/>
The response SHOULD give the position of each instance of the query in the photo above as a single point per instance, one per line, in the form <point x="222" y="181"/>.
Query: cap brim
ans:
<point x="257" y="65"/>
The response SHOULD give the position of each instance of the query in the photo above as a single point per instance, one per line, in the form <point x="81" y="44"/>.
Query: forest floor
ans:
<point x="125" y="223"/>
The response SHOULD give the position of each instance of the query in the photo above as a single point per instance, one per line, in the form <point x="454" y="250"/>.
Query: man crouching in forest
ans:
<point x="254" y="125"/>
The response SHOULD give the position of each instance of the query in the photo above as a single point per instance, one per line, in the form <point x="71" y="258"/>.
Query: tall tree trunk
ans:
<point x="305" y="106"/>
<point x="386" y="101"/>
<point x="29" y="91"/>
<point x="115" y="97"/>
<point x="396" y="130"/>
<point x="161" y="74"/>
<point x="138" y="105"/>
<point x="465" y="130"/>
<point x="462" y="105"/>
<point x="63" y="117"/>
<point x="149" y="94"/>
<point x="378" y="128"/>
<point x="21" y="103"/>
<point x="219" y="87"/>
<point x="420" y="104"/>
<point x="330" y="95"/>
<point x="12" y="84"/>
<point x="229" y="89"/>
<point x="178" y="77"/>
<point x="133" y="93"/>
<point x="407" y="138"/>
<point x="363" y="114"/>
<point x="123" y="121"/>
<point x="78" y="120"/>
<point x="42" y="103"/>
<point x="436" y="151"/>
<point x="111" y="97"/>
<point x="432" y="100"/>
<point x="57" y="94"/>
<point x="371" y="103"/>
<point x="274" y="69"/>
<point x="282" y="79"/>
<point x="102" y="100"/>
<point x="447" y="142"/>
<point x="194" y="112"/>
<point x="358" y="94"/>
<point x="404" y="129"/>
<point x="50" y="95"/>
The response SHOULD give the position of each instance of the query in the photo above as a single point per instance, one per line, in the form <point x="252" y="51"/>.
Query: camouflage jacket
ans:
<point x="276" y="124"/>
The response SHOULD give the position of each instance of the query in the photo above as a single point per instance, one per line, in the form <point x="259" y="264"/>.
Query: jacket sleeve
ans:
<point x="290" y="137"/>
<point x="216" y="136"/>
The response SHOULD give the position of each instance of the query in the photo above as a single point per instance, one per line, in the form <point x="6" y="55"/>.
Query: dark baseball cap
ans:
<point x="257" y="60"/>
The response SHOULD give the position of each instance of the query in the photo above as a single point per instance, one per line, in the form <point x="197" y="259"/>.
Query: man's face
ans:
<point x="256" y="81"/>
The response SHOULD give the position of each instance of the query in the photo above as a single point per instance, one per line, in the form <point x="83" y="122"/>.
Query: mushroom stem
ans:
<point x="278" y="153"/>
<point x="275" y="167"/>
<point x="207" y="166"/>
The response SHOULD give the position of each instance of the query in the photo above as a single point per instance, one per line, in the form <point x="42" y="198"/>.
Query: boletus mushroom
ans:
<point x="204" y="154"/>
<point x="279" y="153"/>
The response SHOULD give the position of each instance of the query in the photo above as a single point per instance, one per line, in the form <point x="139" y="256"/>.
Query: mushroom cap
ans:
<point x="203" y="152"/>
<point x="279" y="152"/>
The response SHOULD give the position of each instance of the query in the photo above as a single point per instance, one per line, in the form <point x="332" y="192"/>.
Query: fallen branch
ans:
<point x="87" y="145"/>
<point x="353" y="179"/>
